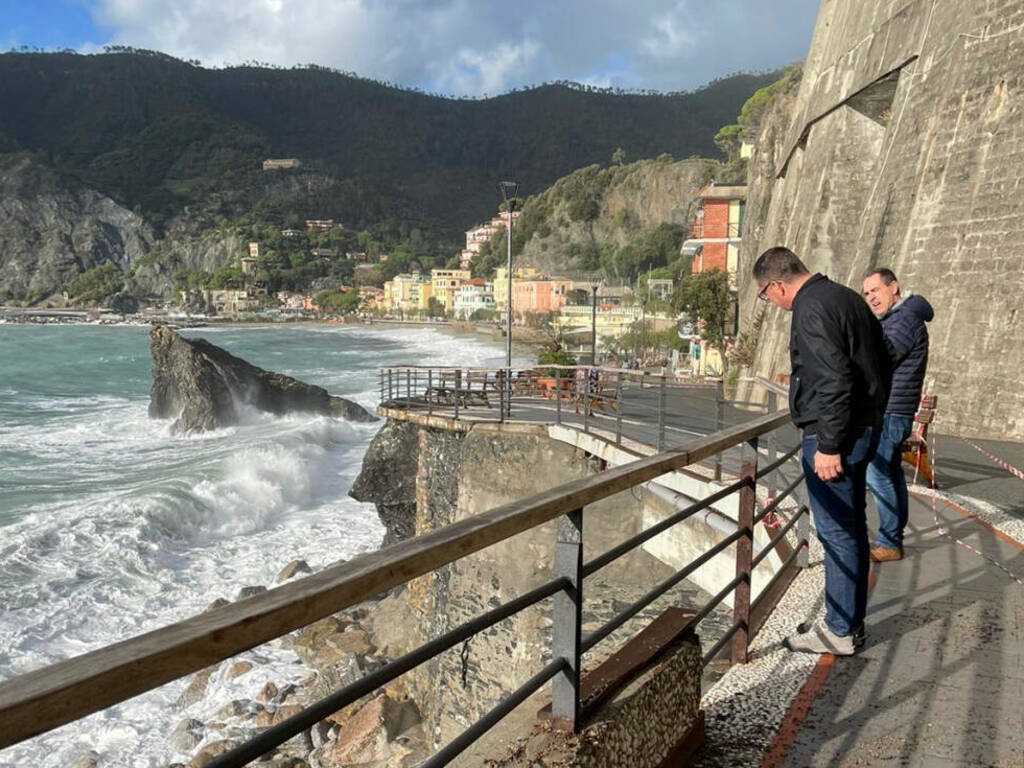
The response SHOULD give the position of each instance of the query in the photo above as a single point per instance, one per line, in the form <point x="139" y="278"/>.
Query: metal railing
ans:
<point x="622" y="402"/>
<point x="45" y="699"/>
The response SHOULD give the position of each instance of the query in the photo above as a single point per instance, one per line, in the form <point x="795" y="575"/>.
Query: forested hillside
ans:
<point x="181" y="146"/>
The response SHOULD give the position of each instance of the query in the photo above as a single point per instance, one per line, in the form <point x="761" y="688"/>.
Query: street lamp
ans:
<point x="509" y="191"/>
<point x="593" y="325"/>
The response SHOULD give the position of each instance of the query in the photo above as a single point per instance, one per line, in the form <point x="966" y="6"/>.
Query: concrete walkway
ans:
<point x="941" y="678"/>
<point x="940" y="681"/>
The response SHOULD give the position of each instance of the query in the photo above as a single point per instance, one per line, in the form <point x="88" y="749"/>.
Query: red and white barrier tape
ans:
<point x="945" y="531"/>
<point x="1008" y="467"/>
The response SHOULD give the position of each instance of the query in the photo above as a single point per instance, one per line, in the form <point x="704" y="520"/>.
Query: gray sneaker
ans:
<point x="858" y="636"/>
<point x="820" y="639"/>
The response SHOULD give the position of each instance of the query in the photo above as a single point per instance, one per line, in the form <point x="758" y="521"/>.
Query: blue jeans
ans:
<point x="887" y="482"/>
<point x="842" y="528"/>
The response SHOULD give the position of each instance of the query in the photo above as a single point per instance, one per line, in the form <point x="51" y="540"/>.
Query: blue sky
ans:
<point x="458" y="47"/>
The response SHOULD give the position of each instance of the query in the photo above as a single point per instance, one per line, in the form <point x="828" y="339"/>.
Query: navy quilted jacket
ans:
<point x="907" y="338"/>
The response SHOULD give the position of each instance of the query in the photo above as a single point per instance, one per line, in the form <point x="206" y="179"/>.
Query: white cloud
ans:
<point x="477" y="46"/>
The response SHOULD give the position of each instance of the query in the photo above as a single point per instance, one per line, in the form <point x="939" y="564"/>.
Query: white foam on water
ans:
<point x="112" y="526"/>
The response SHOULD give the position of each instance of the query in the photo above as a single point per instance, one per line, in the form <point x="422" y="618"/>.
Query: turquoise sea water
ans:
<point x="111" y="526"/>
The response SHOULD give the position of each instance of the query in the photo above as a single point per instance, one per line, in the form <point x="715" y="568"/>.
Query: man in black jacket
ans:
<point x="838" y="389"/>
<point x="903" y="322"/>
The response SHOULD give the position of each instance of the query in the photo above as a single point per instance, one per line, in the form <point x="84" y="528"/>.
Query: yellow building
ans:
<point x="445" y="285"/>
<point x="501" y="284"/>
<point x="407" y="293"/>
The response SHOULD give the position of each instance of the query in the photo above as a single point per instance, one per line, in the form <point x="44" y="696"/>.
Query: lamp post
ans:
<point x="593" y="326"/>
<point x="509" y="191"/>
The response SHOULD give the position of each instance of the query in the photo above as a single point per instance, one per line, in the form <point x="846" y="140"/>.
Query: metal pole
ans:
<point x="430" y="387"/>
<point x="586" y="399"/>
<point x="566" y="621"/>
<point x="558" y="395"/>
<point x="408" y="389"/>
<point x="455" y="399"/>
<point x="719" y="418"/>
<point x="803" y="531"/>
<point x="618" y="409"/>
<point x="744" y="552"/>
<point x="593" y="329"/>
<point x="661" y="415"/>
<point x="772" y="445"/>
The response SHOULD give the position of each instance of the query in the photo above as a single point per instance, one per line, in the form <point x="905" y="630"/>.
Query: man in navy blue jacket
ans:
<point x="838" y="389"/>
<point x="903" y="321"/>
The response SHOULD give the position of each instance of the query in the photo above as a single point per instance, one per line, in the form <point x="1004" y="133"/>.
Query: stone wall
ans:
<point x="904" y="149"/>
<point x="460" y="474"/>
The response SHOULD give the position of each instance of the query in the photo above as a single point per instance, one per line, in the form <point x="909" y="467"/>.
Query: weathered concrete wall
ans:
<point x="904" y="149"/>
<point x="460" y="474"/>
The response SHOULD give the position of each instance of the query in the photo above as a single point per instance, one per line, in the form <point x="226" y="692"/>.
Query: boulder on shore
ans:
<point x="199" y="384"/>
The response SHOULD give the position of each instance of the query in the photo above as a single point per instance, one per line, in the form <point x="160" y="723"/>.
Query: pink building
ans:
<point x="543" y="294"/>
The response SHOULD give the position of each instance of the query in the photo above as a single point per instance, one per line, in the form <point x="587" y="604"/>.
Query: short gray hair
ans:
<point x="778" y="263"/>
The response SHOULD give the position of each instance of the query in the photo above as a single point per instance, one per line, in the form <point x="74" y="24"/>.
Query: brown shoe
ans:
<point x="886" y="554"/>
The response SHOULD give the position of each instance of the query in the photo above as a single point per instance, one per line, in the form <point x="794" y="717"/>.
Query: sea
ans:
<point x="110" y="526"/>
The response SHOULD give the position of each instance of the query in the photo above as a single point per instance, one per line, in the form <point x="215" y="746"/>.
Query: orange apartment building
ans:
<point x="539" y="295"/>
<point x="717" y="229"/>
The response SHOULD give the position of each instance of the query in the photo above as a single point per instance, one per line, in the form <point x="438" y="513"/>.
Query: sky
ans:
<point x="454" y="47"/>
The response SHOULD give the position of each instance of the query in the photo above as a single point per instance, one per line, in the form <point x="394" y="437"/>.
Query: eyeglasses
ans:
<point x="762" y="295"/>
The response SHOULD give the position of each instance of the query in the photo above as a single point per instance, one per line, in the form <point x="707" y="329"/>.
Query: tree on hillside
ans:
<point x="96" y="284"/>
<point x="706" y="299"/>
<point x="619" y="156"/>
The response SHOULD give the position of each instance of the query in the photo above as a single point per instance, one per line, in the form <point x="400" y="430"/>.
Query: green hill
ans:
<point x="182" y="146"/>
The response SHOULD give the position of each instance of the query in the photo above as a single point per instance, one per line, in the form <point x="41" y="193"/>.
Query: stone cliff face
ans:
<point x="902" y="150"/>
<point x="630" y="198"/>
<point x="457" y="475"/>
<point x="52" y="229"/>
<point x="200" y="385"/>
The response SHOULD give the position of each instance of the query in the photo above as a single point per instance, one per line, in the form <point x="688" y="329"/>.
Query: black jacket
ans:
<point x="904" y="327"/>
<point x="841" y="368"/>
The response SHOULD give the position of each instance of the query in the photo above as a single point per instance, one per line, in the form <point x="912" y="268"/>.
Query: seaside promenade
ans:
<point x="940" y="680"/>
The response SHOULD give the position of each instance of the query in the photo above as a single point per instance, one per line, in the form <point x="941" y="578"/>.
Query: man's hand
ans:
<point x="827" y="466"/>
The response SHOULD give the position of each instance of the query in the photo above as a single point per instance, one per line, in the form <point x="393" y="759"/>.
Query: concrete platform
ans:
<point x="940" y="681"/>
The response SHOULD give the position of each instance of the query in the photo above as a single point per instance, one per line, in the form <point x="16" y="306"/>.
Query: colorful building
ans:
<point x="501" y="283"/>
<point x="473" y="295"/>
<point x="540" y="294"/>
<point x="445" y="284"/>
<point x="717" y="229"/>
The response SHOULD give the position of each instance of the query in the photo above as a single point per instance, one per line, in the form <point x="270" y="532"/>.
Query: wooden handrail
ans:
<point x="39" y="701"/>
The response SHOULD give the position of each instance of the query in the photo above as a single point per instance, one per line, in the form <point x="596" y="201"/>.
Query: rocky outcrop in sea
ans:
<point x="201" y="386"/>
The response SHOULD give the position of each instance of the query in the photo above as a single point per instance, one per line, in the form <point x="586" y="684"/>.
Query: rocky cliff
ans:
<point x="565" y="227"/>
<point x="901" y="149"/>
<point x="202" y="386"/>
<point x="52" y="229"/>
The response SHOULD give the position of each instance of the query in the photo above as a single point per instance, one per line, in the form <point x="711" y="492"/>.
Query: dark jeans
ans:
<point x="842" y="529"/>
<point x="887" y="482"/>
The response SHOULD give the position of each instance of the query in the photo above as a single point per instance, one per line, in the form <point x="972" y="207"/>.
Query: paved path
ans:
<point x="941" y="679"/>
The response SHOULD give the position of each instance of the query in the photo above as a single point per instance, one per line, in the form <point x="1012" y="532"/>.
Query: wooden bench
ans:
<point x="915" y="447"/>
<point x="449" y="396"/>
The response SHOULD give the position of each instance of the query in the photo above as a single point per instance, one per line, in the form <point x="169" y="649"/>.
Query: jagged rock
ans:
<point x="363" y="736"/>
<point x="187" y="735"/>
<point x="198" y="384"/>
<point x="245" y="592"/>
<point x="220" y="602"/>
<point x="90" y="759"/>
<point x="236" y="708"/>
<point x="267" y="694"/>
<point x="238" y="669"/>
<point x="196" y="688"/>
<point x="294" y="568"/>
<point x="388" y="478"/>
<point x="210" y="751"/>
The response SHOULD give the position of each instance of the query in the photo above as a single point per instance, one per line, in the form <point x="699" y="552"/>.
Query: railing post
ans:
<point x="408" y="389"/>
<point x="391" y="395"/>
<point x="427" y="392"/>
<point x="803" y="531"/>
<point x="744" y="553"/>
<point x="381" y="385"/>
<point x="618" y="408"/>
<point x="455" y="398"/>
<point x="661" y="415"/>
<point x="558" y="395"/>
<point x="772" y="446"/>
<point x="719" y="418"/>
<point x="566" y="621"/>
